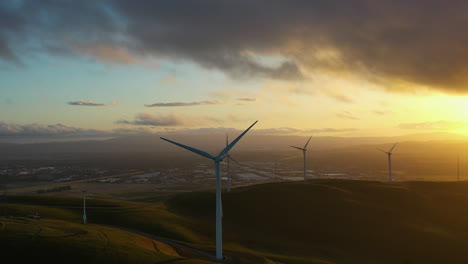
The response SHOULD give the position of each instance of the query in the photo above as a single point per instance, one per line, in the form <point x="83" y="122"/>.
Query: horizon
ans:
<point x="419" y="137"/>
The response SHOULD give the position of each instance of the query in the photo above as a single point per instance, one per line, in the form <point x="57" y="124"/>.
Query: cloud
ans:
<point x="168" y="120"/>
<point x="108" y="53"/>
<point x="172" y="104"/>
<point x="276" y="131"/>
<point x="145" y="124"/>
<point x="339" y="97"/>
<point x="289" y="131"/>
<point x="331" y="130"/>
<point x="90" y="103"/>
<point x="246" y="99"/>
<point x="37" y="129"/>
<point x="264" y="131"/>
<point x="438" y="125"/>
<point x="394" y="43"/>
<point x="134" y="130"/>
<point x="377" y="112"/>
<point x="346" y="115"/>
<point x="11" y="22"/>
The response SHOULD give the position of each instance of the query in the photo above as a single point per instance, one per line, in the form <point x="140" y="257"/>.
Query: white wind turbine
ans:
<point x="229" y="158"/>
<point x="389" y="154"/>
<point x="217" y="159"/>
<point x="304" y="149"/>
<point x="84" y="207"/>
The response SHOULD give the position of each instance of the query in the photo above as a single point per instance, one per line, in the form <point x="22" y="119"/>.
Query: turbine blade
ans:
<point x="382" y="150"/>
<point x="228" y="147"/>
<point x="392" y="148"/>
<point x="305" y="147"/>
<point x="297" y="148"/>
<point x="234" y="160"/>
<point x="199" y="152"/>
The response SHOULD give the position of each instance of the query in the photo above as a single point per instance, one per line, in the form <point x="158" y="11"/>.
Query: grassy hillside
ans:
<point x="56" y="241"/>
<point x="342" y="221"/>
<point x="345" y="222"/>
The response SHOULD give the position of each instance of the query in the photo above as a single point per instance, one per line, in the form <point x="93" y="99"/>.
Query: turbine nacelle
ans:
<point x="221" y="155"/>
<point x="298" y="148"/>
<point x="305" y="146"/>
<point x="390" y="151"/>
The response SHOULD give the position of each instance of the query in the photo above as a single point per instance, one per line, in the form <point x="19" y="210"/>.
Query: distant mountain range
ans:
<point x="212" y="143"/>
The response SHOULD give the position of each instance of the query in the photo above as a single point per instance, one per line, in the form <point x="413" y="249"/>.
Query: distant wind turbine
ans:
<point x="84" y="206"/>
<point x="228" y="159"/>
<point x="389" y="154"/>
<point x="304" y="149"/>
<point x="217" y="159"/>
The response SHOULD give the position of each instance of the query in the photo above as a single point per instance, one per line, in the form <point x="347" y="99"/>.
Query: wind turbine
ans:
<point x="229" y="158"/>
<point x="304" y="149"/>
<point x="84" y="206"/>
<point x="389" y="154"/>
<point x="217" y="159"/>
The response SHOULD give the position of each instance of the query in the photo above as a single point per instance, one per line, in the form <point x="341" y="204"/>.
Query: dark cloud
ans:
<point x="144" y="123"/>
<point x="438" y="125"/>
<point x="37" y="129"/>
<point x="247" y="99"/>
<point x="172" y="104"/>
<point x="10" y="23"/>
<point x="389" y="41"/>
<point x="5" y="51"/>
<point x="90" y="103"/>
<point x="168" y="120"/>
<point x="145" y="119"/>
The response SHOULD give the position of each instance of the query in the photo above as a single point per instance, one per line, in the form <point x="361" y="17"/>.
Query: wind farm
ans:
<point x="128" y="132"/>
<point x="180" y="219"/>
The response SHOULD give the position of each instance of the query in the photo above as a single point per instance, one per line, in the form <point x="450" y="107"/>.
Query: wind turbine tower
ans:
<point x="389" y="154"/>
<point x="304" y="149"/>
<point x="217" y="159"/>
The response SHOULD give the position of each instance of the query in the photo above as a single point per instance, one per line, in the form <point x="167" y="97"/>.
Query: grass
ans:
<point x="326" y="221"/>
<point x="73" y="184"/>
<point x="342" y="221"/>
<point x="56" y="241"/>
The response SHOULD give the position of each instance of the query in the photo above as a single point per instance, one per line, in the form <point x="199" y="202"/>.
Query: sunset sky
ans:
<point x="323" y="68"/>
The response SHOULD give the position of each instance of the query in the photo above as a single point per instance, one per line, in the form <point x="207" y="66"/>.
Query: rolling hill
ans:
<point x="326" y="221"/>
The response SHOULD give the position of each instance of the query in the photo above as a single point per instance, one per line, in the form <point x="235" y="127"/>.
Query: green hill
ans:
<point x="327" y="221"/>
<point x="341" y="221"/>
<point x="56" y="241"/>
